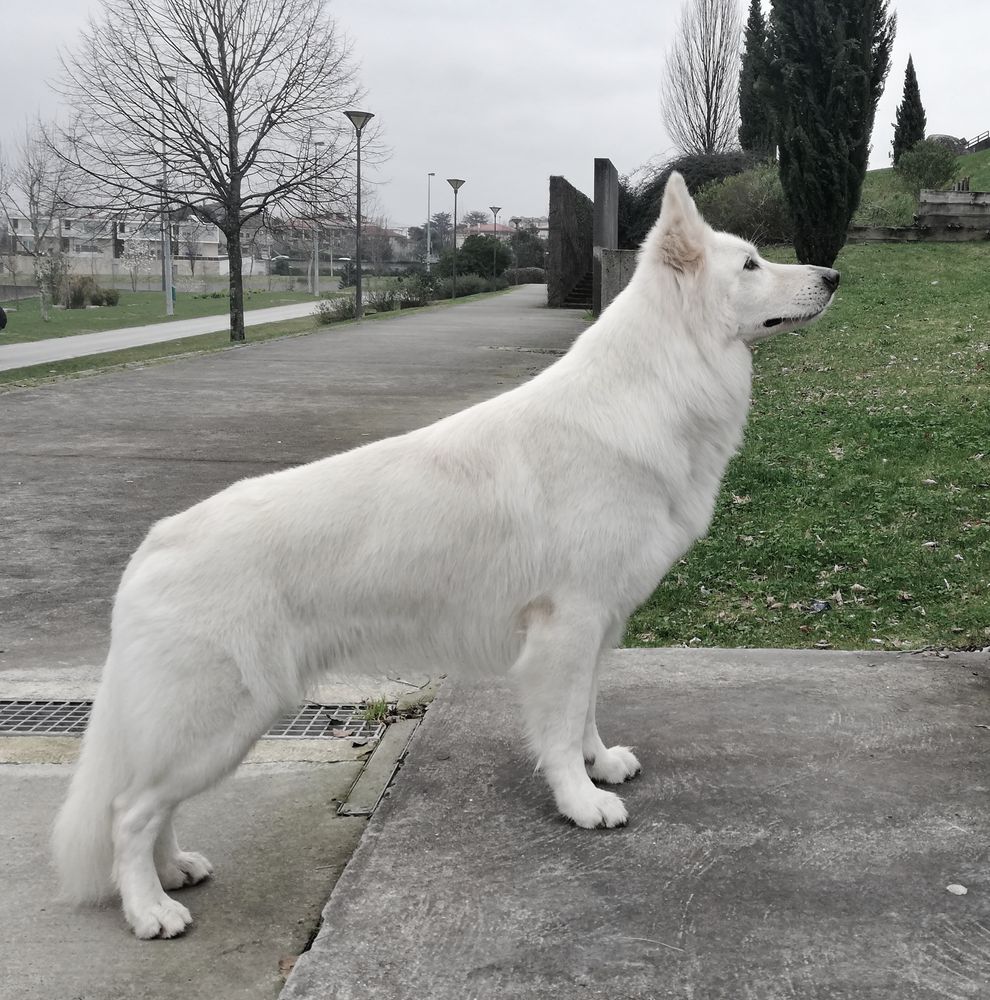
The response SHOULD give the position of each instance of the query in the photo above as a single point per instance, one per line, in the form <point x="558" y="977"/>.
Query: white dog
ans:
<point x="515" y="536"/>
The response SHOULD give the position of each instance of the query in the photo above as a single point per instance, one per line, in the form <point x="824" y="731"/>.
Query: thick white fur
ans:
<point x="515" y="536"/>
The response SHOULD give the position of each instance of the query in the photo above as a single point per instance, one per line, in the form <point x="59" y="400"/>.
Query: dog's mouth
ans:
<point x="780" y="320"/>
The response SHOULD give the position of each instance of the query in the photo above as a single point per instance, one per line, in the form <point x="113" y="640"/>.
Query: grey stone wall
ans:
<point x="605" y="235"/>
<point x="617" y="268"/>
<point x="570" y="242"/>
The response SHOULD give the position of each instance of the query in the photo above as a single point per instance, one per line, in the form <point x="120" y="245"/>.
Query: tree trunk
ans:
<point x="236" y="284"/>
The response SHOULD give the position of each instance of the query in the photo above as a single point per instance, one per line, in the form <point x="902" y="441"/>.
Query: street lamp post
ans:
<point x="316" y="224"/>
<point x="358" y="119"/>
<point x="166" y="221"/>
<point x="429" y="252"/>
<point x="455" y="183"/>
<point x="495" y="209"/>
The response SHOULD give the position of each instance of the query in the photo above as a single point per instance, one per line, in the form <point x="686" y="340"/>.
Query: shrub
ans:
<point x="104" y="297"/>
<point x="420" y="291"/>
<point x="526" y="276"/>
<point x="334" y="310"/>
<point x="467" y="284"/>
<point x="750" y="204"/>
<point x="639" y="204"/>
<point x="928" y="165"/>
<point x="81" y="290"/>
<point x="382" y="299"/>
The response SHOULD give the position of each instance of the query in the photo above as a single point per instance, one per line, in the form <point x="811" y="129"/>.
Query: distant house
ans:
<point x="93" y="244"/>
<point x="501" y="232"/>
<point x="541" y="223"/>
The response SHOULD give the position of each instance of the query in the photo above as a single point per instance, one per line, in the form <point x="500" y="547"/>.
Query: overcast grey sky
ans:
<point x="505" y="94"/>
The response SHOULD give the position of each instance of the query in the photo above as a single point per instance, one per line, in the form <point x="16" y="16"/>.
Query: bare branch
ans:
<point x="221" y="101"/>
<point x="699" y="97"/>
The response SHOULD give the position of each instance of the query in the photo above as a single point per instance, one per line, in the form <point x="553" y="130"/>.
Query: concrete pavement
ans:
<point x="799" y="817"/>
<point x="40" y="352"/>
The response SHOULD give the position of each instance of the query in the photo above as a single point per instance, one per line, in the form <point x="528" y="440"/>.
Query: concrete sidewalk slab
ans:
<point x="799" y="817"/>
<point x="272" y="833"/>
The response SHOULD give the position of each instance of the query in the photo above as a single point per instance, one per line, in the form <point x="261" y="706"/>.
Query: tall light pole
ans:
<point x="495" y="209"/>
<point x="166" y="221"/>
<point x="429" y="252"/>
<point x="358" y="119"/>
<point x="316" y="224"/>
<point x="455" y="183"/>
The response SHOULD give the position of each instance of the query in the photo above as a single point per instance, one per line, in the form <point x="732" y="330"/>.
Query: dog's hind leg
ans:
<point x="182" y="749"/>
<point x="611" y="765"/>
<point x="177" y="868"/>
<point x="555" y="674"/>
<point x="138" y="822"/>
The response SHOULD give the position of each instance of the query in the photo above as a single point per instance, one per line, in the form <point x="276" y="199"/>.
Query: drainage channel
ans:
<point x="309" y="721"/>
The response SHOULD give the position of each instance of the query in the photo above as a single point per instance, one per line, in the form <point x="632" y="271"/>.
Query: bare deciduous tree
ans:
<point x="36" y="185"/>
<point x="699" y="96"/>
<point x="231" y="106"/>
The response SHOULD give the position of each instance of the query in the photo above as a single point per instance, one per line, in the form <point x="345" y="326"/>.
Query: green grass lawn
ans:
<point x="135" y="309"/>
<point x="864" y="482"/>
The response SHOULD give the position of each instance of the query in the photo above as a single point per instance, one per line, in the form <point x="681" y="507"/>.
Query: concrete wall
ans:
<point x="617" y="268"/>
<point x="571" y="240"/>
<point x="916" y="234"/>
<point x="969" y="209"/>
<point x="605" y="231"/>
<point x="943" y="217"/>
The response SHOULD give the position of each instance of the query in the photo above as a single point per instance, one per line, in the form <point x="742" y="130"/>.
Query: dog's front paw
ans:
<point x="165" y="919"/>
<point x="614" y="765"/>
<point x="593" y="807"/>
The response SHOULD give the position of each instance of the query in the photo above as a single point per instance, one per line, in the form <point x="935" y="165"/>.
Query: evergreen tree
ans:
<point x="830" y="60"/>
<point x="909" y="129"/>
<point x="756" y="122"/>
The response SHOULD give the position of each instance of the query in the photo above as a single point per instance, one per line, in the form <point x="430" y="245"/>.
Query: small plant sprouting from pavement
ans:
<point x="376" y="710"/>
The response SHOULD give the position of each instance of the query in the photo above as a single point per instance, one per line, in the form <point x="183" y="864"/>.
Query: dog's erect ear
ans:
<point x="680" y="228"/>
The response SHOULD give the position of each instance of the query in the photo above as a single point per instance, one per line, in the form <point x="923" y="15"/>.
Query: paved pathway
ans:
<point x="40" y="352"/>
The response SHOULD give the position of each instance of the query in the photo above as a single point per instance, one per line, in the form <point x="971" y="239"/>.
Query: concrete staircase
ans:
<point x="580" y="296"/>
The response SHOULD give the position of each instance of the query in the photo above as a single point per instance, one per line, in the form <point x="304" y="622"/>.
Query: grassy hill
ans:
<point x="976" y="166"/>
<point x="885" y="202"/>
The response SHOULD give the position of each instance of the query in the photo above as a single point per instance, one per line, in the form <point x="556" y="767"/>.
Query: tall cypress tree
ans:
<point x="830" y="60"/>
<point x="756" y="122"/>
<point x="909" y="129"/>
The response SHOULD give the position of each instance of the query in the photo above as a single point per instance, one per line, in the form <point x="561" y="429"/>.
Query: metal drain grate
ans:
<point x="69" y="718"/>
<point x="310" y="721"/>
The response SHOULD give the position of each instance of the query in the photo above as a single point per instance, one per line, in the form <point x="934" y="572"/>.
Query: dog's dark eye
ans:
<point x="751" y="265"/>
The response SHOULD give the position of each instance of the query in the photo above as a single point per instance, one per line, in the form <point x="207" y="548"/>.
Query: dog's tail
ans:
<point x="82" y="839"/>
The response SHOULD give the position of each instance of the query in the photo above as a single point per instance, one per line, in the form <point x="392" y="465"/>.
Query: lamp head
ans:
<point x="359" y="119"/>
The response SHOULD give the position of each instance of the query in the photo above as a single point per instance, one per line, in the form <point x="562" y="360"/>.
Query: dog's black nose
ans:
<point x="831" y="278"/>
